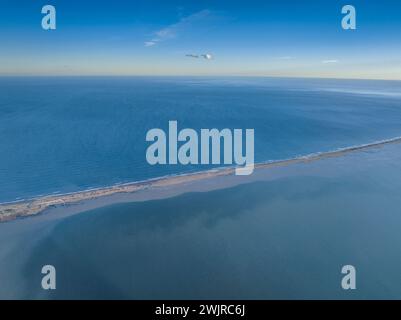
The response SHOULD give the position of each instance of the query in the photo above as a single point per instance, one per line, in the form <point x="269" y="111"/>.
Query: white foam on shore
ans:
<point x="391" y="94"/>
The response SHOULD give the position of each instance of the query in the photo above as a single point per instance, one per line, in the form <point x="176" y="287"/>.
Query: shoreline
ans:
<point x="24" y="208"/>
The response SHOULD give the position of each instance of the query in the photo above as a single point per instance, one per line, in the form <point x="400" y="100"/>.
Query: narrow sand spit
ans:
<point x="13" y="210"/>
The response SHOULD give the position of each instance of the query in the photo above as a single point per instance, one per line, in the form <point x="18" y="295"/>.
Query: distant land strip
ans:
<point x="12" y="210"/>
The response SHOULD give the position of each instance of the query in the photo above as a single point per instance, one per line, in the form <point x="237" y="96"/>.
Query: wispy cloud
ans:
<point x="285" y="58"/>
<point x="330" y="61"/>
<point x="150" y="43"/>
<point x="172" y="31"/>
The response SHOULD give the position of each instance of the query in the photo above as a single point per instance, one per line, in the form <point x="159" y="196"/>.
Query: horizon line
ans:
<point x="186" y="75"/>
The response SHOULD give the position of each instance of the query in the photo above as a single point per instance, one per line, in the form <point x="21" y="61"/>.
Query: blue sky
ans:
<point x="252" y="38"/>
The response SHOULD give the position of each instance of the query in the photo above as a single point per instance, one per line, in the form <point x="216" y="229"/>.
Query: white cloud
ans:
<point x="150" y="43"/>
<point x="330" y="61"/>
<point x="173" y="30"/>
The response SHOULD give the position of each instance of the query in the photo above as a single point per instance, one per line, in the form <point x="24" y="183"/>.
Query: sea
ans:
<point x="68" y="134"/>
<point x="286" y="236"/>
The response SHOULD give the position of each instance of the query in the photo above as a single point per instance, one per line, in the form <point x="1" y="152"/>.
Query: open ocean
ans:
<point x="60" y="135"/>
<point x="283" y="237"/>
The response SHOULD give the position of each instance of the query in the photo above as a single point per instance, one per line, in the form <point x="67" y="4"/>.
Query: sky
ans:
<point x="286" y="38"/>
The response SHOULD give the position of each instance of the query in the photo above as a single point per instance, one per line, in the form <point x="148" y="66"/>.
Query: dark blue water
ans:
<point x="69" y="134"/>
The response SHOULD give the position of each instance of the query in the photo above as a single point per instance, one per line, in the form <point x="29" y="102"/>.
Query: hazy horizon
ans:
<point x="185" y="76"/>
<point x="156" y="38"/>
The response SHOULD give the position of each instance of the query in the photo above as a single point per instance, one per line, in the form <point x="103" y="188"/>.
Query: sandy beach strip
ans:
<point x="13" y="210"/>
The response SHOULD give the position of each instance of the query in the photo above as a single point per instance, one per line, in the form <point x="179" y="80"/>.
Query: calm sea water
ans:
<point x="68" y="134"/>
<point x="284" y="238"/>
